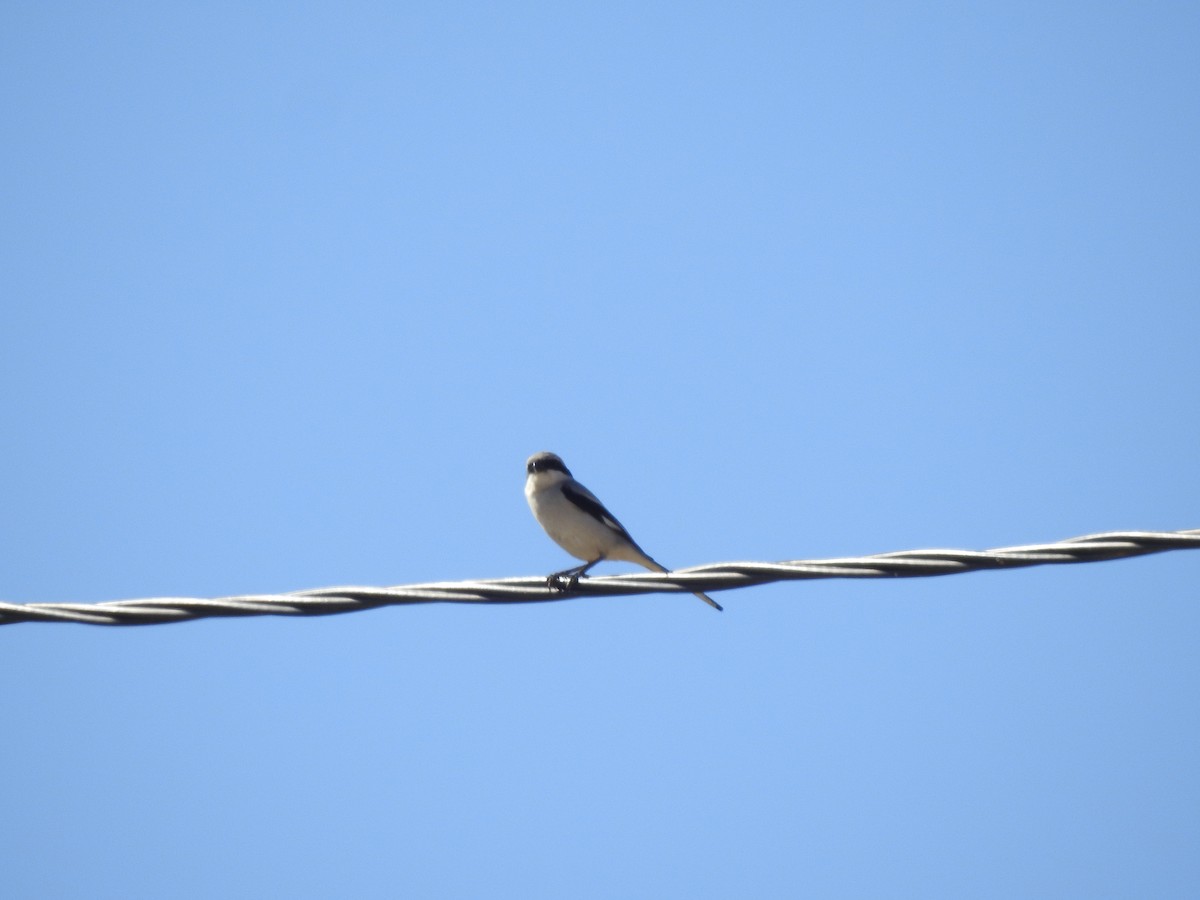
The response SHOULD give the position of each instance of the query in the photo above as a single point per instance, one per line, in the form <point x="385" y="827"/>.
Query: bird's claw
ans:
<point x="563" y="581"/>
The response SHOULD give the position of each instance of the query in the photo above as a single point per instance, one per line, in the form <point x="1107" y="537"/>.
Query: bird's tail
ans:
<point x="654" y="566"/>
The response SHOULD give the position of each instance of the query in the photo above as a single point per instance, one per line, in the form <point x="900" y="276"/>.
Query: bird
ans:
<point x="578" y="522"/>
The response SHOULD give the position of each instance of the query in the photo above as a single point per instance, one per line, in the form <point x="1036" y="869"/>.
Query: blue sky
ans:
<point x="291" y="291"/>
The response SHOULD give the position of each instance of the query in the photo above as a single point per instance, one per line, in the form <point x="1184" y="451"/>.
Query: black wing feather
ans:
<point x="590" y="504"/>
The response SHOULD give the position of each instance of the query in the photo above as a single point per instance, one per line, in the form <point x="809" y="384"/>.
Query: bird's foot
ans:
<point x="566" y="580"/>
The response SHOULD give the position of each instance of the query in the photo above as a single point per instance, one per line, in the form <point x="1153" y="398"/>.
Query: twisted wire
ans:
<point x="713" y="577"/>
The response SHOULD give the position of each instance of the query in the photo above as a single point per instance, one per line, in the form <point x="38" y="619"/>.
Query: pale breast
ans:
<point x="569" y="527"/>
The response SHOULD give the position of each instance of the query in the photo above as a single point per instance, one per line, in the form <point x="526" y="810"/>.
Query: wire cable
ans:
<point x="714" y="577"/>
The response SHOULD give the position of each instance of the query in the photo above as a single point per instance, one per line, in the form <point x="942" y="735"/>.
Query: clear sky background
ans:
<point x="290" y="291"/>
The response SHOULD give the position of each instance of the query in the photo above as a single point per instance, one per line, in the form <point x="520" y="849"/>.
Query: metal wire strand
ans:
<point x="714" y="577"/>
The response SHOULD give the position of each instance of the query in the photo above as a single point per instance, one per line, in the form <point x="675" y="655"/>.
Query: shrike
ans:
<point x="578" y="522"/>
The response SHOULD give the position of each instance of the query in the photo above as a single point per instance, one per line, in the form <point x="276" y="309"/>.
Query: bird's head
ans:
<point x="547" y="467"/>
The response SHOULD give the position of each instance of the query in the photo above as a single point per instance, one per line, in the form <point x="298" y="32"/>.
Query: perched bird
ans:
<point x="578" y="522"/>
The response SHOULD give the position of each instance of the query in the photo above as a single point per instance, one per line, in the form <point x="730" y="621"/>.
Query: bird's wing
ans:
<point x="590" y="504"/>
